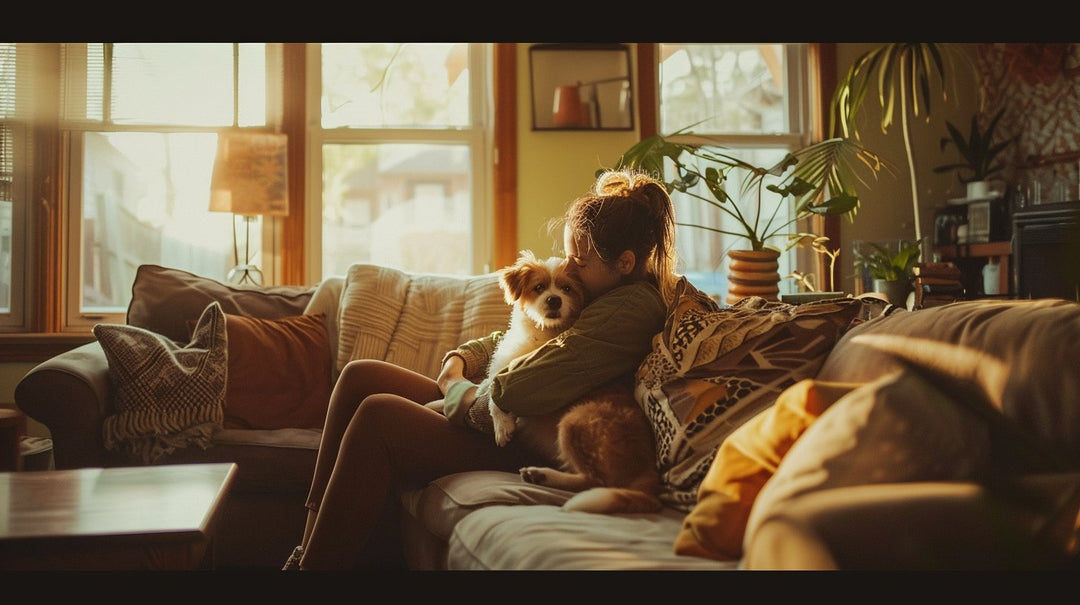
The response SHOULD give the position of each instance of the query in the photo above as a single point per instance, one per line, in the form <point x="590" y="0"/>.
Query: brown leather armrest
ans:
<point x="70" y="395"/>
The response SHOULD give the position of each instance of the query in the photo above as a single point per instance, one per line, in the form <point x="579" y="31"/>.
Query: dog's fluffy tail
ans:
<point x="607" y="500"/>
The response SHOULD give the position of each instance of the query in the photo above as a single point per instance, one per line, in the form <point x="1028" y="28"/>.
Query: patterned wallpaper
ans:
<point x="1038" y="85"/>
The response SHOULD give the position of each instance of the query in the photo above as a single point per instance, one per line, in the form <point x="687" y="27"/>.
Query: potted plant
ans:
<point x="903" y="73"/>
<point x="819" y="178"/>
<point x="891" y="269"/>
<point x="979" y="154"/>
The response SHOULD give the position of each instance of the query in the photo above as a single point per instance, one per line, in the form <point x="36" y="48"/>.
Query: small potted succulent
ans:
<point x="890" y="266"/>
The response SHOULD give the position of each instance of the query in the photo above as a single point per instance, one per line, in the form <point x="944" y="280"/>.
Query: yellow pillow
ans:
<point x="744" y="462"/>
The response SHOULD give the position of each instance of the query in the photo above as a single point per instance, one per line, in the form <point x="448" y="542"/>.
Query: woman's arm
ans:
<point x="607" y="342"/>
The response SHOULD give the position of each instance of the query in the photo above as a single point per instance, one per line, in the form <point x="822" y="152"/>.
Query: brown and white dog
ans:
<point x="603" y="442"/>
<point x="545" y="300"/>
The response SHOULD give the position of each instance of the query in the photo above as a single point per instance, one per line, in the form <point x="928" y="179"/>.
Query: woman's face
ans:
<point x="597" y="276"/>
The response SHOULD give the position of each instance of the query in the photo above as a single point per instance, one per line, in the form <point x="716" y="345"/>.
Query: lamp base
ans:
<point x="242" y="274"/>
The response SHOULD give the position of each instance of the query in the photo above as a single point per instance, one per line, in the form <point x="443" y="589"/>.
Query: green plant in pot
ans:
<point x="980" y="155"/>
<point x="902" y="73"/>
<point x="819" y="178"/>
<point x="891" y="268"/>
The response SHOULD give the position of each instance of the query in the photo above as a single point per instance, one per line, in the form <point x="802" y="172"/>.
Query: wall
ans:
<point x="556" y="166"/>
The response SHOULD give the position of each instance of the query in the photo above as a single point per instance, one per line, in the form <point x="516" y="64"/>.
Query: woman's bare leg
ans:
<point x="359" y="379"/>
<point x="392" y="443"/>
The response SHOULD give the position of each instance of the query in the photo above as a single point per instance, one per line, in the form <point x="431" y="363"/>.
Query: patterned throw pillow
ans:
<point x="168" y="396"/>
<point x="712" y="370"/>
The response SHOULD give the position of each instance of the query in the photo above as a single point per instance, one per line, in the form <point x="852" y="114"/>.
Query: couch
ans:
<point x="837" y="434"/>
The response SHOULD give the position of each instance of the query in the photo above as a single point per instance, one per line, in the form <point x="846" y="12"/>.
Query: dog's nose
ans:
<point x="554" y="302"/>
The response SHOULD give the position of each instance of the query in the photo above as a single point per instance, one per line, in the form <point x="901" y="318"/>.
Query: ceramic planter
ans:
<point x="753" y="273"/>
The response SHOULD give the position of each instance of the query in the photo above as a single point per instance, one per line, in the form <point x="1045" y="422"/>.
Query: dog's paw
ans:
<point x="505" y="425"/>
<point x="504" y="432"/>
<point x="533" y="474"/>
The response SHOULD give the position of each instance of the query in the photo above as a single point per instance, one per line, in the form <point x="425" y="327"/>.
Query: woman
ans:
<point x="380" y="438"/>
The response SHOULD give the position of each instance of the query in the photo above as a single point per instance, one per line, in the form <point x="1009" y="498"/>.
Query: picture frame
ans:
<point x="581" y="87"/>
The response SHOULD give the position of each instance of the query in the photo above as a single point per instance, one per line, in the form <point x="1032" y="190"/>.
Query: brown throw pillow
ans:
<point x="165" y="300"/>
<point x="279" y="372"/>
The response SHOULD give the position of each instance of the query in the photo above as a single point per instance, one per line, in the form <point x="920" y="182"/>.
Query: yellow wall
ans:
<point x="555" y="166"/>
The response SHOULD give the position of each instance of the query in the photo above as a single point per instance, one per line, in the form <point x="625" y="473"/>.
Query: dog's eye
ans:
<point x="538" y="288"/>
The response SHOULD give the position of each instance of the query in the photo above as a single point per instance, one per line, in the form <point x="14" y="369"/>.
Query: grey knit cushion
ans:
<point x="168" y="395"/>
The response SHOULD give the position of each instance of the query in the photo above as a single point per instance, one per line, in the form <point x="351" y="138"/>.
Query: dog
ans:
<point x="603" y="442"/>
<point x="545" y="300"/>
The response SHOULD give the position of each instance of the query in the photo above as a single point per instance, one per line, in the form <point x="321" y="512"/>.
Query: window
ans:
<point x="396" y="152"/>
<point x="139" y="130"/>
<point x="14" y="191"/>
<point x="402" y="145"/>
<point x="753" y="100"/>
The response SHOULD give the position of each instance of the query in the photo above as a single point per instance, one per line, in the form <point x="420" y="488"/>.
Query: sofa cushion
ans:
<point x="745" y="461"/>
<point x="168" y="396"/>
<point x="446" y="500"/>
<point x="412" y="319"/>
<point x="326" y="300"/>
<point x="279" y="372"/>
<point x="899" y="428"/>
<point x="1037" y="341"/>
<point x="163" y="300"/>
<point x="545" y="536"/>
<point x="712" y="370"/>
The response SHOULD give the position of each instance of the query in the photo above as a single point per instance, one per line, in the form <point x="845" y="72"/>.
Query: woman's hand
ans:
<point x="453" y="370"/>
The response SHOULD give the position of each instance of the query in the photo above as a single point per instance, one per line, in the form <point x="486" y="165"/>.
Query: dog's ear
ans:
<point x="513" y="279"/>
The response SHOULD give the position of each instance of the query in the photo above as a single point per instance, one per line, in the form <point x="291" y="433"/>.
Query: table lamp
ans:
<point x="249" y="180"/>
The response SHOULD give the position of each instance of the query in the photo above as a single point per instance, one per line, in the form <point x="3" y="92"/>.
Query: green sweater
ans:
<point x="608" y="341"/>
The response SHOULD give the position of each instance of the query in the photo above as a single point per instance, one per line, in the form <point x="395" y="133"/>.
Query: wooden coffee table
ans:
<point x="149" y="518"/>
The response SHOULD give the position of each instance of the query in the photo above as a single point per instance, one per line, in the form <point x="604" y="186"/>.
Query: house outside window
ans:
<point x="403" y="147"/>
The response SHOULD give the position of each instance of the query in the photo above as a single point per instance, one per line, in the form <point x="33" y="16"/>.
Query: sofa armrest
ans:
<point x="69" y="394"/>
<point x="1026" y="524"/>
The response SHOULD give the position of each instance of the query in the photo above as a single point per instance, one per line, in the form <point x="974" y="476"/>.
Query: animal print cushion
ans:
<point x="711" y="370"/>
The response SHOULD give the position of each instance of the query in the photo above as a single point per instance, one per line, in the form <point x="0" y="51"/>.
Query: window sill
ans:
<point x="37" y="347"/>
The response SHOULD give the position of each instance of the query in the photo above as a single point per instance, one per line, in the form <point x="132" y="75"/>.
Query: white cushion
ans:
<point x="413" y="319"/>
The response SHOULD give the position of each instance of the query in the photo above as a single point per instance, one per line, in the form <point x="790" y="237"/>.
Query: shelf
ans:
<point x="974" y="250"/>
<point x="1000" y="251"/>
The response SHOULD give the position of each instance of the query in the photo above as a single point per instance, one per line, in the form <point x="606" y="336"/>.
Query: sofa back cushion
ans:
<point x="413" y="319"/>
<point x="164" y="300"/>
<point x="1037" y="342"/>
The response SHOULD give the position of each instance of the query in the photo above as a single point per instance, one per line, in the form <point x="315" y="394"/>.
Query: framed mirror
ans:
<point x="581" y="87"/>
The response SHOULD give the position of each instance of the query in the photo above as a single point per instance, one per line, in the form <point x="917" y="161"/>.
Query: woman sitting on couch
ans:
<point x="379" y="436"/>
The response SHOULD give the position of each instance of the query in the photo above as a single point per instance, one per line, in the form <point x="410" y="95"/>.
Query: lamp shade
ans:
<point x="250" y="176"/>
